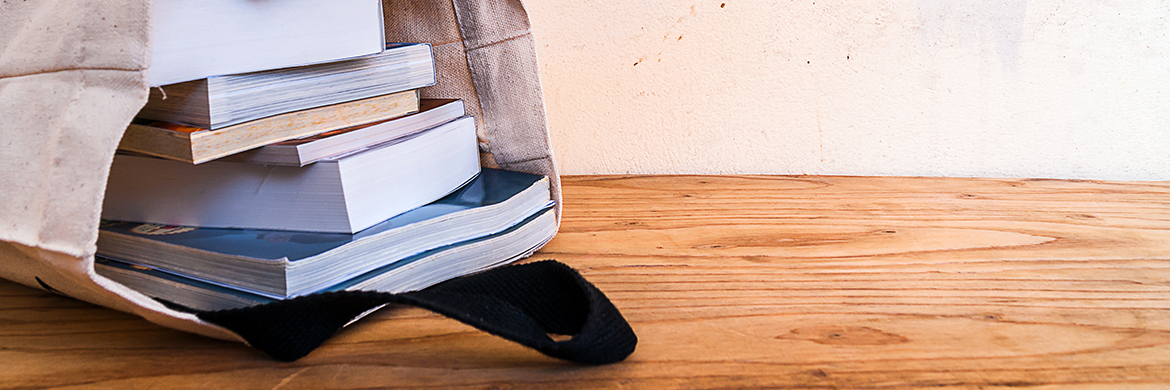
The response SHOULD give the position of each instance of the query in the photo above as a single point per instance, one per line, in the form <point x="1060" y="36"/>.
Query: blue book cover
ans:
<point x="457" y="259"/>
<point x="491" y="187"/>
<point x="188" y="292"/>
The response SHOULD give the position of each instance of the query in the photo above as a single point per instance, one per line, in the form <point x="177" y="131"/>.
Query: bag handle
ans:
<point x="522" y="303"/>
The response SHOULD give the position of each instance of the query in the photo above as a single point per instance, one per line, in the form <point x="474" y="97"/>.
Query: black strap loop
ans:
<point x="523" y="303"/>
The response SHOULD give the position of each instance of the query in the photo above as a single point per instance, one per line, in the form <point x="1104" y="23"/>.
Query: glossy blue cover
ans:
<point x="492" y="186"/>
<point x="215" y="289"/>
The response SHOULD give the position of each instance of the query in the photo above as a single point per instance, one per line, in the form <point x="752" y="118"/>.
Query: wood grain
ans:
<point x="734" y="282"/>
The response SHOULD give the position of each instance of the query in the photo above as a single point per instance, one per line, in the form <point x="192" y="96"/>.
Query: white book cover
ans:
<point x="342" y="195"/>
<point x="195" y="39"/>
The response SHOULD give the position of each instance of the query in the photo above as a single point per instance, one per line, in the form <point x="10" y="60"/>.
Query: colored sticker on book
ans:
<point x="108" y="223"/>
<point x="176" y="127"/>
<point x="153" y="229"/>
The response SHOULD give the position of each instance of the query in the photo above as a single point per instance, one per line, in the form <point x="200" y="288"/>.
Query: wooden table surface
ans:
<point x="735" y="281"/>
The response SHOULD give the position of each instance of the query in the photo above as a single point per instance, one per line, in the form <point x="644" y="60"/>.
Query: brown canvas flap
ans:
<point x="72" y="77"/>
<point x="485" y="54"/>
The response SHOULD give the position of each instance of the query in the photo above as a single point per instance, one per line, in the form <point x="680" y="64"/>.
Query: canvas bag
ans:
<point x="72" y="76"/>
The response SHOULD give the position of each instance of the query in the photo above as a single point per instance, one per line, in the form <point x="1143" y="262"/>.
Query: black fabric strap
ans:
<point x="523" y="303"/>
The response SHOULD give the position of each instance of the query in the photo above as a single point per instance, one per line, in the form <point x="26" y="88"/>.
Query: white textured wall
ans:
<point x="1043" y="88"/>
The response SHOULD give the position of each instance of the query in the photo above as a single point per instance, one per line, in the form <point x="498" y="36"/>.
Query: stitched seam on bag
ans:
<point x="446" y="43"/>
<point x="545" y="157"/>
<point x="524" y="34"/>
<point x="69" y="70"/>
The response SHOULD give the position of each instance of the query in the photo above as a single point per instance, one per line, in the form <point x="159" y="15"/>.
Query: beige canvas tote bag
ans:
<point x="72" y="76"/>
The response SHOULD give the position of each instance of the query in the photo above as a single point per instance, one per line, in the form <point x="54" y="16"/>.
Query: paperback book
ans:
<point x="197" y="145"/>
<point x="308" y="150"/>
<point x="198" y="39"/>
<point x="345" y="194"/>
<point x="220" y="101"/>
<point x="280" y="264"/>
<point x="411" y="273"/>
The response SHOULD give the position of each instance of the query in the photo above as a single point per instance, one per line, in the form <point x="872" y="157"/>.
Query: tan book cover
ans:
<point x="198" y="145"/>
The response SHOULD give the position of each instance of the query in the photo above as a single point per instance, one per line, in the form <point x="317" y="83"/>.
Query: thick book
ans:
<point x="197" y="39"/>
<point x="345" y="194"/>
<point x="220" y="101"/>
<point x="280" y="264"/>
<point x="304" y="151"/>
<point x="197" y="145"/>
<point x="412" y="273"/>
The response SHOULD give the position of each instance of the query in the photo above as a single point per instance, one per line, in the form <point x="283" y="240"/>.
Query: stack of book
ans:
<point x="307" y="173"/>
